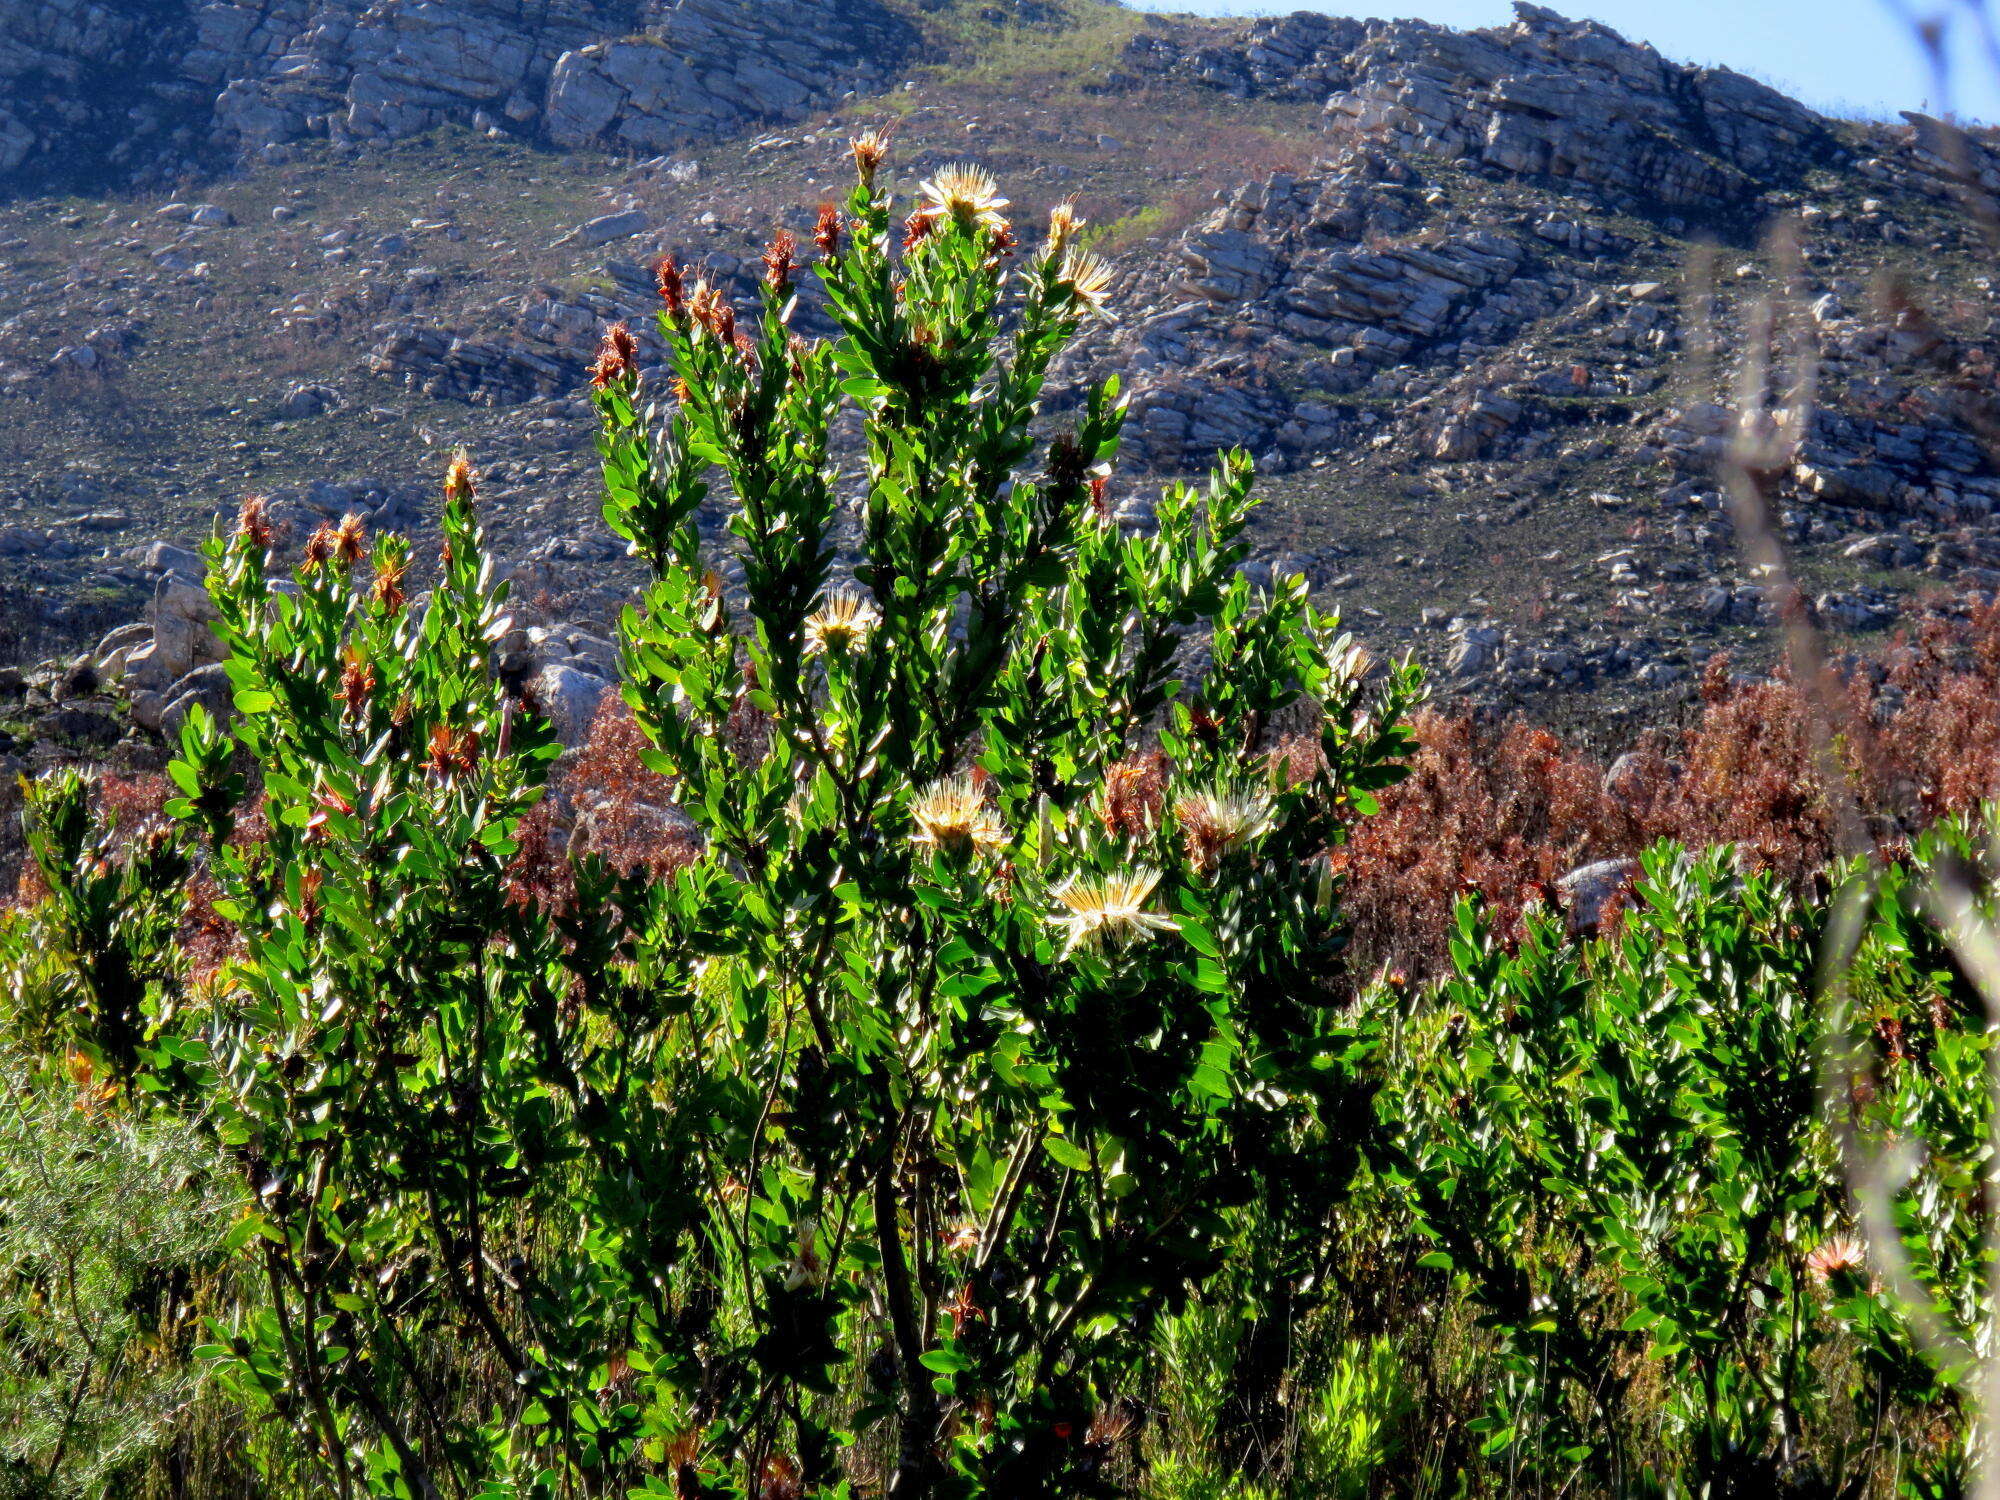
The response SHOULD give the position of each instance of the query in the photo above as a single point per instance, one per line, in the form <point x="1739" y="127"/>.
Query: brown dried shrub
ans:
<point x="1504" y="812"/>
<point x="603" y="801"/>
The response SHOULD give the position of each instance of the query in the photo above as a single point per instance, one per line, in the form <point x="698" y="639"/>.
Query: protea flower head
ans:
<point x="1088" y="277"/>
<point x="1837" y="1254"/>
<point x="1063" y="225"/>
<point x="840" y="623"/>
<point x="710" y="311"/>
<point x="917" y="227"/>
<point x="1109" y="912"/>
<point x="1213" y="823"/>
<point x="357" y="680"/>
<point x="319" y="546"/>
<point x="968" y="194"/>
<point x="952" y="815"/>
<point x="458" y="479"/>
<point x="870" y="148"/>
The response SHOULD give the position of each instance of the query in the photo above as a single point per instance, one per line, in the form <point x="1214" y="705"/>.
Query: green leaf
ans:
<point x="1066" y="1153"/>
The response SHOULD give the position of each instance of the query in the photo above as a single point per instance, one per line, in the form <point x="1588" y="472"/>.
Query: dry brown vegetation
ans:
<point x="1503" y="811"/>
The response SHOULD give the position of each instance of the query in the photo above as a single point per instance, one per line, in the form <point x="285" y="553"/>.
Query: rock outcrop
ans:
<point x="162" y="85"/>
<point x="1545" y="96"/>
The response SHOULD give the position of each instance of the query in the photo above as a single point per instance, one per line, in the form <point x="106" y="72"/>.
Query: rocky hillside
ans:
<point x="180" y="85"/>
<point x="1479" y="302"/>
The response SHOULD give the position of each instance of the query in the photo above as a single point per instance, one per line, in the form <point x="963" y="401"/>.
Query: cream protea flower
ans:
<point x="1063" y="225"/>
<point x="952" y="814"/>
<point x="841" y="623"/>
<point x="969" y="194"/>
<point x="869" y="149"/>
<point x="1109" y="912"/>
<point x="1837" y="1254"/>
<point x="458" y="477"/>
<point x="1213" y="823"/>
<point x="1088" y="276"/>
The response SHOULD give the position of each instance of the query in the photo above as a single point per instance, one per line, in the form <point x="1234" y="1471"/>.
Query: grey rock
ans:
<point x="1589" y="892"/>
<point x="568" y="698"/>
<point x="608" y="227"/>
<point x="303" y="401"/>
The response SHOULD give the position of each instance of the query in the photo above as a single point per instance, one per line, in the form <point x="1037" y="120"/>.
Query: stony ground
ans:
<point x="1480" y="306"/>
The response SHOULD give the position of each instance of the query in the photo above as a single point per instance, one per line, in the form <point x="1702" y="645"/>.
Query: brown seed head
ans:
<point x="452" y="753"/>
<point x="617" y="357"/>
<point x="1134" y="792"/>
<point x="779" y="257"/>
<point x="917" y="228"/>
<point x="780" y="1479"/>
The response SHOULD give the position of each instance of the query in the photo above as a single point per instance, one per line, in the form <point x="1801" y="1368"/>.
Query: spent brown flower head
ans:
<point x="617" y="358"/>
<point x="826" y="233"/>
<point x="253" y="522"/>
<point x="673" y="290"/>
<point x="357" y="681"/>
<point x="1134" y="791"/>
<point x="308" y="908"/>
<point x="389" y="581"/>
<point x="780" y="256"/>
<point x="917" y="228"/>
<point x="452" y="752"/>
<point x="350" y="540"/>
<point x="319" y="546"/>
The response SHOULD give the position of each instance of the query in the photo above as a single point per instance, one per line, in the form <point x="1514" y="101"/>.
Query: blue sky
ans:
<point x="1851" y="55"/>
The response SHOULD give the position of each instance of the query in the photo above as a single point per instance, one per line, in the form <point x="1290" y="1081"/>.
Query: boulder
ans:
<point x="1591" y="893"/>
<point x="182" y="617"/>
<point x="605" y="228"/>
<point x="305" y="400"/>
<point x="567" y="697"/>
<point x="208" y="686"/>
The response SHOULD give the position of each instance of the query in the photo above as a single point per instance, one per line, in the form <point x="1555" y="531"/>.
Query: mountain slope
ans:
<point x="1477" y="301"/>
